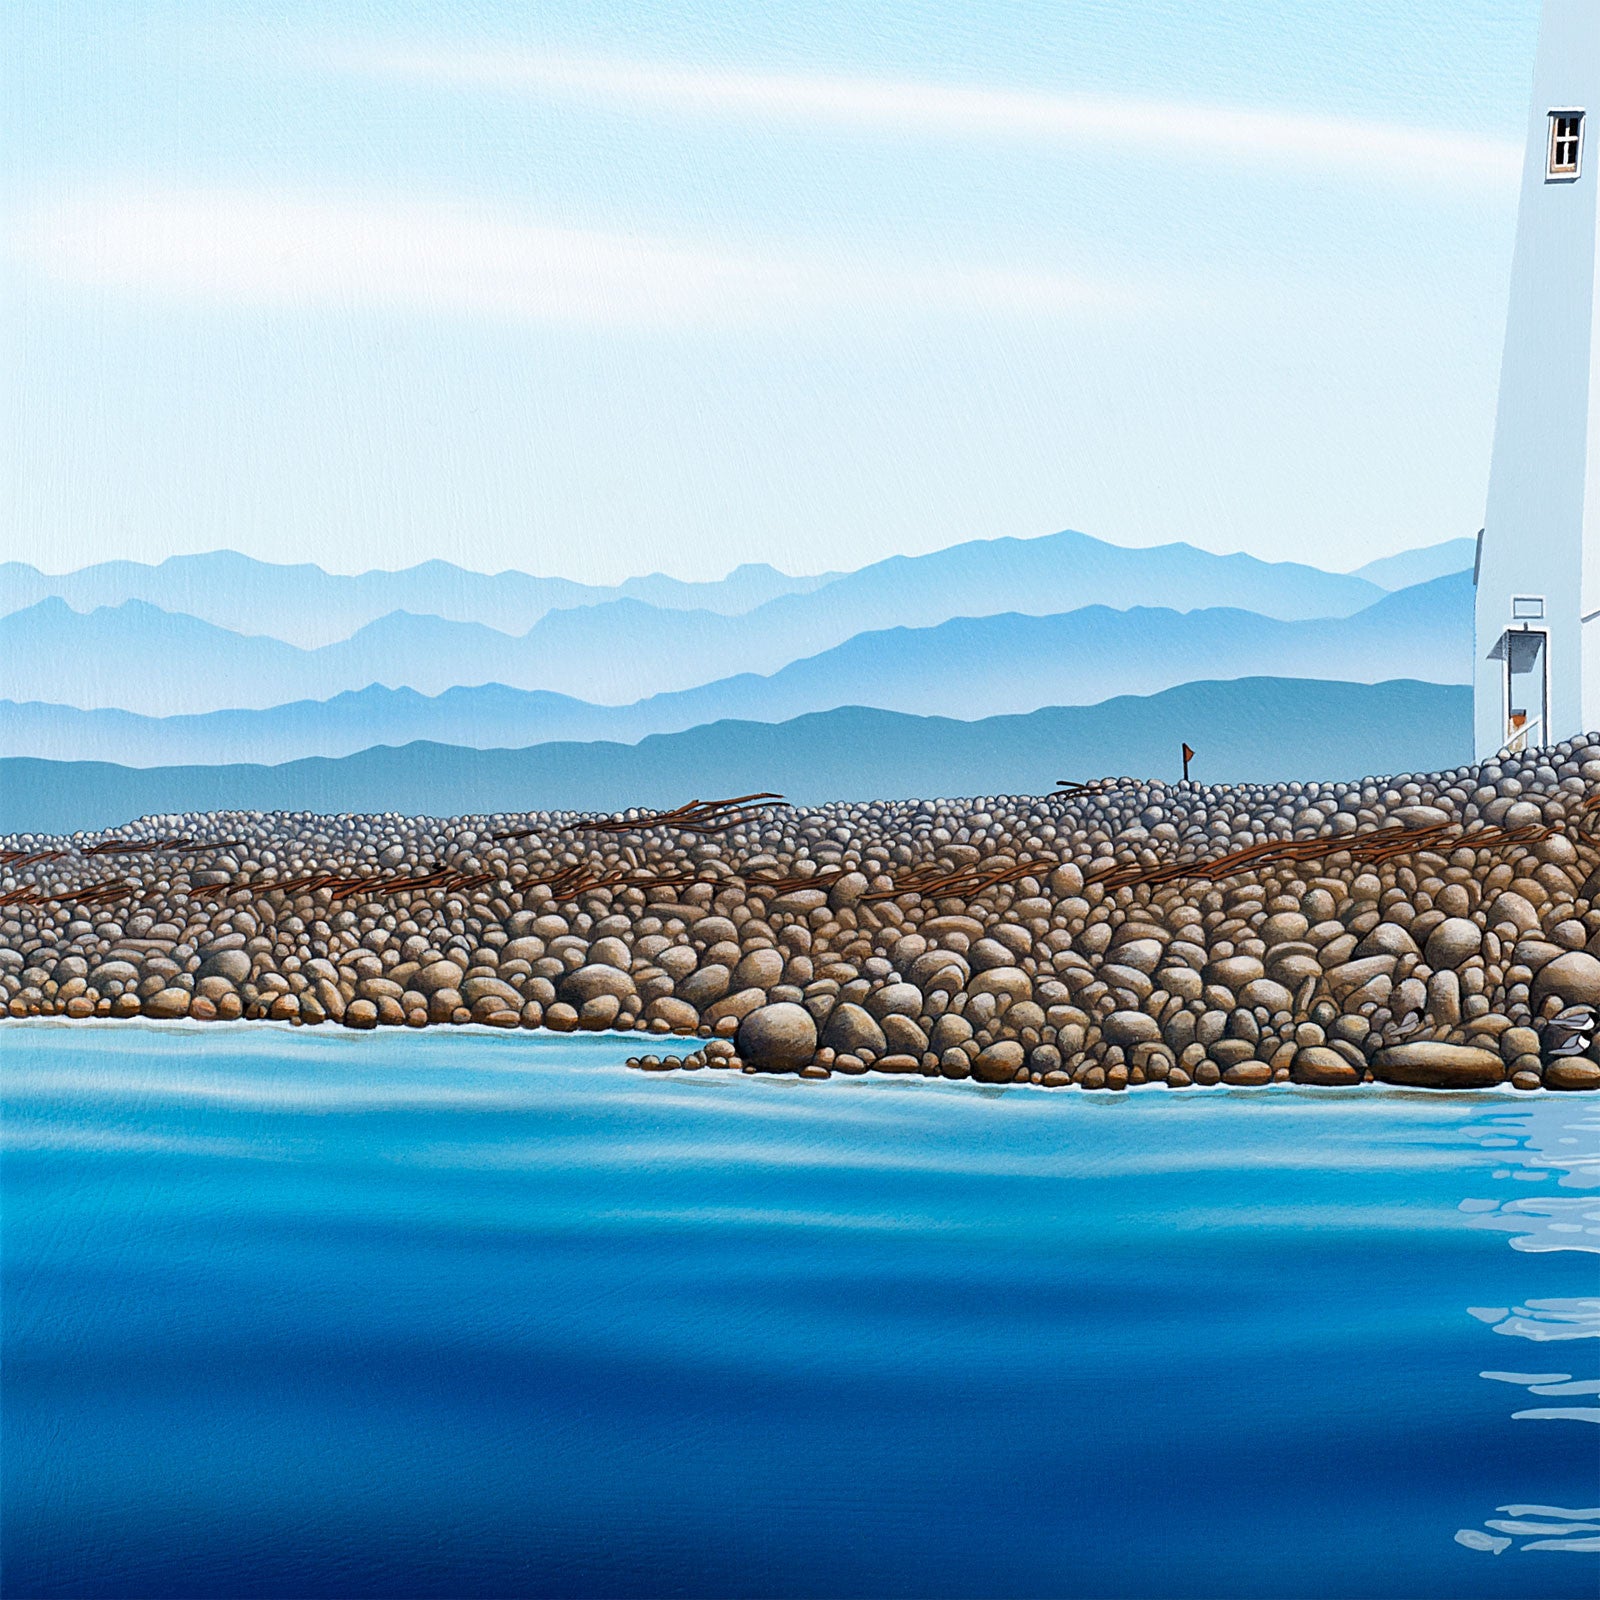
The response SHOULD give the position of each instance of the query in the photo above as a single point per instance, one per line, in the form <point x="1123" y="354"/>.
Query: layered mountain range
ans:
<point x="210" y="661"/>
<point x="1255" y="730"/>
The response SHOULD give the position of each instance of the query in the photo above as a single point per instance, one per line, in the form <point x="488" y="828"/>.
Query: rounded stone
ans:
<point x="1515" y="909"/>
<point x="954" y="1063"/>
<point x="989" y="953"/>
<point x="1574" y="1073"/>
<point x="1012" y="982"/>
<point x="949" y="1031"/>
<point x="1430" y="1064"/>
<point x="1234" y="972"/>
<point x="897" y="1063"/>
<point x="778" y="1038"/>
<point x="1264" y="992"/>
<point x="1575" y="976"/>
<point x="1131" y="1028"/>
<point x="999" y="1062"/>
<point x="1517" y="1042"/>
<point x="436" y="976"/>
<point x="932" y="963"/>
<point x="851" y="1029"/>
<point x="903" y="1035"/>
<point x="361" y="1014"/>
<point x="677" y="1015"/>
<point x="443" y="1004"/>
<point x="592" y="982"/>
<point x="1143" y="955"/>
<point x="1247" y="1074"/>
<point x="706" y="985"/>
<point x="1318" y="1064"/>
<point x="758" y="970"/>
<point x="599" y="1013"/>
<point x="234" y="965"/>
<point x="902" y="999"/>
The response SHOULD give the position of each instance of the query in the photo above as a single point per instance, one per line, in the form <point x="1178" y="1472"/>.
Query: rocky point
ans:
<point x="1438" y="930"/>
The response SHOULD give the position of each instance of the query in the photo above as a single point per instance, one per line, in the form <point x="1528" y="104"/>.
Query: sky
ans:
<point x="594" y="289"/>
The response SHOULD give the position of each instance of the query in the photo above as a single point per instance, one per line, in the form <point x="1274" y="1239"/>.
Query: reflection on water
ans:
<point x="1544" y="1319"/>
<point x="1556" y="1534"/>
<point x="1552" y="1141"/>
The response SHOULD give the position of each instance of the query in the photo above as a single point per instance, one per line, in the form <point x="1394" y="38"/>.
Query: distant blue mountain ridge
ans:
<point x="306" y="606"/>
<point x="139" y="657"/>
<point x="1412" y="567"/>
<point x="1248" y="730"/>
<point x="967" y="668"/>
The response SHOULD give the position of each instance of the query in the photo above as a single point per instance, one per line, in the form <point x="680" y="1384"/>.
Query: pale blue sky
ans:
<point x="594" y="289"/>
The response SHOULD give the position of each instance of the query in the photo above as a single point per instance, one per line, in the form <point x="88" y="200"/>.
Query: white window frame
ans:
<point x="1553" y="172"/>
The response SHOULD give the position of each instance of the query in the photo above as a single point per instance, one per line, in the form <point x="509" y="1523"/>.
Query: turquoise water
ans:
<point x="450" y="1313"/>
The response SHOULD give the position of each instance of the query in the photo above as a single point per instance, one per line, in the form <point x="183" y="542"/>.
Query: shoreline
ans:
<point x="1419" y="930"/>
<point x="546" y="1039"/>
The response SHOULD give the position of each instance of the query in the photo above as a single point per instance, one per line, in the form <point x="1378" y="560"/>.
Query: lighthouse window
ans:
<point x="1566" y="144"/>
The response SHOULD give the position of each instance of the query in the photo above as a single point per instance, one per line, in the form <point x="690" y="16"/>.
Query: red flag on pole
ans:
<point x="1188" y="756"/>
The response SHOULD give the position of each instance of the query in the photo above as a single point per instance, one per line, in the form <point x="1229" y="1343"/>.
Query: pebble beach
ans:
<point x="1436" y="930"/>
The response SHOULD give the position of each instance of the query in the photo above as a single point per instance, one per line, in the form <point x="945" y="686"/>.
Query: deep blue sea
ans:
<point x="452" y="1313"/>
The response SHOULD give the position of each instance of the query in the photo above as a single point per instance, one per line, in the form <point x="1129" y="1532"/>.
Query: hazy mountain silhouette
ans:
<point x="965" y="668"/>
<point x="306" y="606"/>
<point x="1251" y="730"/>
<point x="138" y="657"/>
<point x="1419" y="566"/>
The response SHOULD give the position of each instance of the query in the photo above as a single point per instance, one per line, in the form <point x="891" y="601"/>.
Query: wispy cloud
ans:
<point x="1175" y="130"/>
<point x="292" y="251"/>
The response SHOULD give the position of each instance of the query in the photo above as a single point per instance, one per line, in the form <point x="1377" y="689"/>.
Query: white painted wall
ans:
<point x="1543" y="515"/>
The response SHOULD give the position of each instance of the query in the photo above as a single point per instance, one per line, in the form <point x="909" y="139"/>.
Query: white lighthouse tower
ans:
<point x="1538" y="574"/>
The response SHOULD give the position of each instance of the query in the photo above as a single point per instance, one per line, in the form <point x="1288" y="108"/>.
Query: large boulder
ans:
<point x="1234" y="972"/>
<point x="987" y="954"/>
<point x="932" y="963"/>
<point x="904" y="1036"/>
<point x="999" y="1063"/>
<point x="1316" y="1063"/>
<point x="1515" y="909"/>
<point x="676" y="1014"/>
<point x="437" y="975"/>
<point x="851" y="1030"/>
<point x="1455" y="940"/>
<point x="1011" y="982"/>
<point x="758" y="970"/>
<point x="167" y="1003"/>
<point x="1575" y="1072"/>
<point x="1574" y="976"/>
<point x="780" y="1038"/>
<point x="706" y="985"/>
<point x="903" y="999"/>
<point x="1129" y="1028"/>
<point x="589" y="983"/>
<point x="483" y="988"/>
<point x="1428" y="1064"/>
<point x="949" y="1032"/>
<point x="1143" y="955"/>
<point x="1264" y="992"/>
<point x="234" y="965"/>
